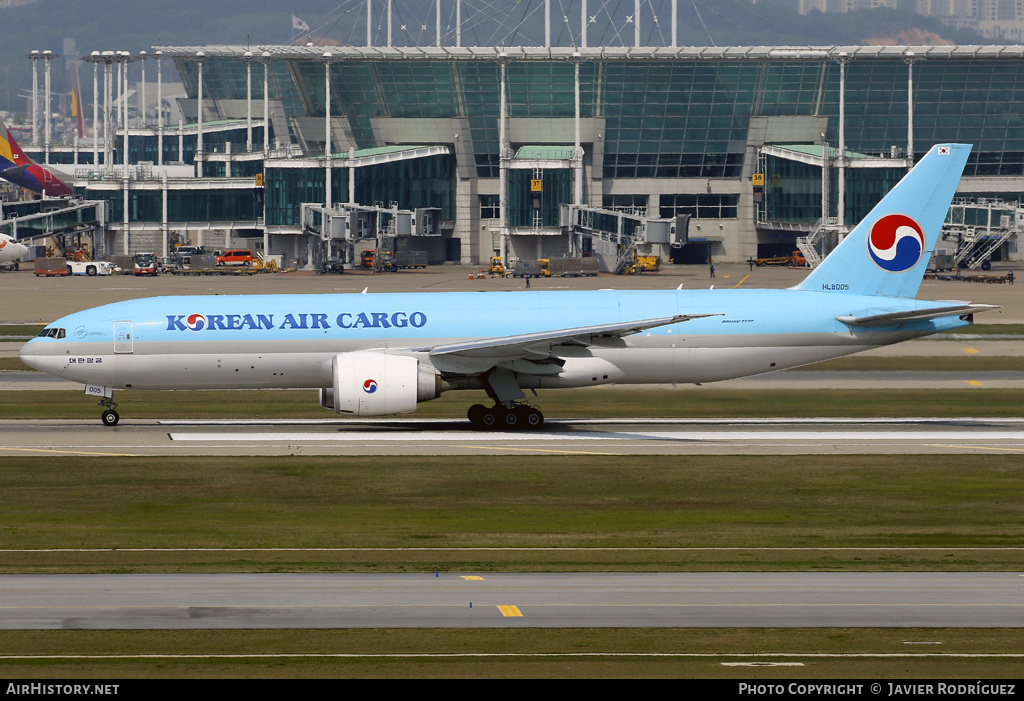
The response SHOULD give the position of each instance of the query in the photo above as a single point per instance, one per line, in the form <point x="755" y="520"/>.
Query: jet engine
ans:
<point x="377" y="384"/>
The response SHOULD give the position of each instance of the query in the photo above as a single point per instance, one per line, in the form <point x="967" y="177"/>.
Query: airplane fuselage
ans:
<point x="290" y="341"/>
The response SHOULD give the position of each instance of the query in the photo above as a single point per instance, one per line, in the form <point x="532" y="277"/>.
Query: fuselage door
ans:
<point x="123" y="337"/>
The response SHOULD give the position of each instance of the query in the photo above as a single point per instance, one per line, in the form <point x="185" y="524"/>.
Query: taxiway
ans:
<point x="622" y="436"/>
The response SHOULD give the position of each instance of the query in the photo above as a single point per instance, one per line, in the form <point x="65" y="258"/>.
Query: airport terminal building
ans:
<point x="485" y="147"/>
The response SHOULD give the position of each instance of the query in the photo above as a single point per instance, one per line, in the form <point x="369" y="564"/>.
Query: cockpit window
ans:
<point x="51" y="333"/>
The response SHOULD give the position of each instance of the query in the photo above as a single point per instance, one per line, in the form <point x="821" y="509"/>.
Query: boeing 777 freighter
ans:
<point x="379" y="354"/>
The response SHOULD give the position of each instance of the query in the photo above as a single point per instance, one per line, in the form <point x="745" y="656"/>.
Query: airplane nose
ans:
<point x="29" y="356"/>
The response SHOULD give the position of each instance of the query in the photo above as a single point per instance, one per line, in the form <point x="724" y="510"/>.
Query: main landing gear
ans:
<point x="109" y="417"/>
<point x="508" y="416"/>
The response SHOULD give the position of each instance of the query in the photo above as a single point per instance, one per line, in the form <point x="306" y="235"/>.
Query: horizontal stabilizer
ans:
<point x="523" y="343"/>
<point x="914" y="315"/>
<point x="14" y="172"/>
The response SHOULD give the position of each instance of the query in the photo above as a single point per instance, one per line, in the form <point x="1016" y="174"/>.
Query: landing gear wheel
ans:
<point x="476" y="414"/>
<point x="512" y="419"/>
<point x="533" y="419"/>
<point x="110" y="417"/>
<point x="490" y="417"/>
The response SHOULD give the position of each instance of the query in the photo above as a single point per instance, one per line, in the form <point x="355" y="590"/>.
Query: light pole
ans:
<point x="35" y="55"/>
<point x="200" y="55"/>
<point x="327" y="58"/>
<point x="247" y="57"/>
<point x="47" y="57"/>
<point x="265" y="60"/>
<point x="142" y="105"/>
<point x="159" y="110"/>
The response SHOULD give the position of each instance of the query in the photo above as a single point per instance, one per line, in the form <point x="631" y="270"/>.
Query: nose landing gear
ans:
<point x="109" y="417"/>
<point x="508" y="416"/>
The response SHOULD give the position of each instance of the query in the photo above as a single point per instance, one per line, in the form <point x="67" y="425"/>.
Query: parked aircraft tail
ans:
<point x="887" y="252"/>
<point x="18" y="168"/>
<point x="76" y="100"/>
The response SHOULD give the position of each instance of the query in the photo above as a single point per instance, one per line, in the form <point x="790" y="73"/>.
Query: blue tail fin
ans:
<point x="887" y="253"/>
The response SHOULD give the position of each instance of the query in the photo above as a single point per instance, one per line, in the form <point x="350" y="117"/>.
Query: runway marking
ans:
<point x="49" y="450"/>
<point x="538" y="450"/>
<point x="471" y="577"/>
<point x="974" y="383"/>
<point x="979" y="447"/>
<point x="762" y="664"/>
<point x="506" y="611"/>
<point x="741" y="281"/>
<point x="405" y="655"/>
<point x="970" y="350"/>
<point x="820" y="548"/>
<point x="691" y="436"/>
<point x="768" y="421"/>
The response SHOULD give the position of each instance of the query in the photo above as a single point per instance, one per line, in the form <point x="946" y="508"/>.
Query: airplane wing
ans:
<point x="539" y="344"/>
<point x="914" y="315"/>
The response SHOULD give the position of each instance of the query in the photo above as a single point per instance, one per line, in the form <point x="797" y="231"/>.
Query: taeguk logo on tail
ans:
<point x="896" y="243"/>
<point x="195" y="322"/>
<point x="370" y="386"/>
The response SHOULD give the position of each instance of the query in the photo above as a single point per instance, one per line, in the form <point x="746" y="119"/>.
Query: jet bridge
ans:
<point x="68" y="220"/>
<point x="333" y="232"/>
<point x="617" y="236"/>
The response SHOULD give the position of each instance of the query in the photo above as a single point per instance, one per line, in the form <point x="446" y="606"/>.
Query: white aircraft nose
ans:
<point x="29" y="356"/>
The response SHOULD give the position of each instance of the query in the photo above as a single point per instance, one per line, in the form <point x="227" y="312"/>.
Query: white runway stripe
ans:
<point x="528" y="436"/>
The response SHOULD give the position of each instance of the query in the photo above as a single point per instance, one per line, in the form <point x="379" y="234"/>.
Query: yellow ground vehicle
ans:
<point x="643" y="264"/>
<point x="497" y="266"/>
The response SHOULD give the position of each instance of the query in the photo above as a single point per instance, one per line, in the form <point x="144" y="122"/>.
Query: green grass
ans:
<point x="531" y="648"/>
<point x="24" y="331"/>
<point x="645" y="504"/>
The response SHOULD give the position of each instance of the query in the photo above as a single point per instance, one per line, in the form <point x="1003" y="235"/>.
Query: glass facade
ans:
<point x="666" y="118"/>
<point x="793" y="190"/>
<point x="193" y="205"/>
<point x="144" y="148"/>
<point x="528" y="207"/>
<point x="701" y="206"/>
<point x="418" y="182"/>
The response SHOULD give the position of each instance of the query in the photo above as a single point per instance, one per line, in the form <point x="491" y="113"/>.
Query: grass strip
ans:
<point x="540" y="653"/>
<point x="448" y="503"/>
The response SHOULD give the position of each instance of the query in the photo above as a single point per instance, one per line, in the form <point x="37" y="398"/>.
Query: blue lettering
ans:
<point x="380" y="319"/>
<point x="290" y="323"/>
<point x="216" y="322"/>
<point x="174" y="322"/>
<point x="362" y="321"/>
<point x="320" y="321"/>
<point x="234" y="321"/>
<point x="266" y="321"/>
<point x="418" y="319"/>
<point x="399" y="320"/>
<point x="342" y="322"/>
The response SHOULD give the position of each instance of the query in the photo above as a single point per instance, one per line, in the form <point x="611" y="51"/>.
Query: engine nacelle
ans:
<point x="378" y="384"/>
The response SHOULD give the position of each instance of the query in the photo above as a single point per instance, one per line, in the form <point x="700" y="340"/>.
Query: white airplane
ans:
<point x="379" y="354"/>
<point x="11" y="250"/>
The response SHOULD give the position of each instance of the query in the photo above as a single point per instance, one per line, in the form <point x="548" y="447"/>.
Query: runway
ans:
<point x="618" y="436"/>
<point x="691" y="600"/>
